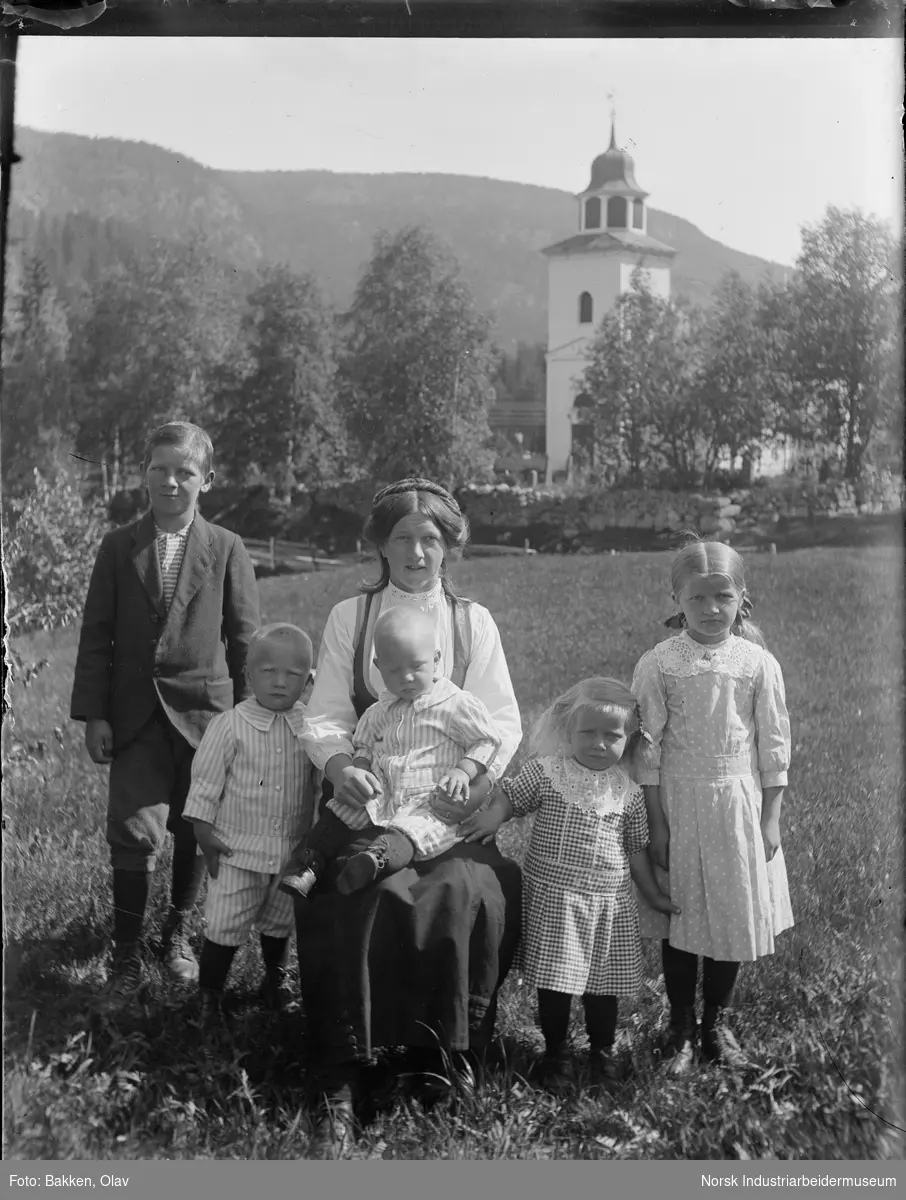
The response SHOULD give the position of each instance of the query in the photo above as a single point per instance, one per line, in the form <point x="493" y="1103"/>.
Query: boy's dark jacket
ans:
<point x="133" y="652"/>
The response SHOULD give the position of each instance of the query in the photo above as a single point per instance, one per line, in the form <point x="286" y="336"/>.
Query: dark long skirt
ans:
<point x="417" y="957"/>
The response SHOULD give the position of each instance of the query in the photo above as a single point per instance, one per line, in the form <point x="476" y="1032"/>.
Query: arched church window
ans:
<point x="637" y="219"/>
<point x="586" y="309"/>
<point x="593" y="213"/>
<point x="616" y="212"/>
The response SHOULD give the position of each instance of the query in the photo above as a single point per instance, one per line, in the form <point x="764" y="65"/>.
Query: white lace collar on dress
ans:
<point x="683" y="656"/>
<point x="594" y="791"/>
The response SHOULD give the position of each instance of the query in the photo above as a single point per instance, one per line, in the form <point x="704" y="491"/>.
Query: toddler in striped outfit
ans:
<point x="423" y="735"/>
<point x="251" y="800"/>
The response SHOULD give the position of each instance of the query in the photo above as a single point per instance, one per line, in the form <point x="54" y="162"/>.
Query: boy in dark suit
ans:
<point x="170" y="609"/>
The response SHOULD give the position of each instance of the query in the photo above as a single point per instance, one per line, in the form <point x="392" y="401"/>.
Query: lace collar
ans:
<point x="594" y="791"/>
<point x="683" y="656"/>
<point x="395" y="597"/>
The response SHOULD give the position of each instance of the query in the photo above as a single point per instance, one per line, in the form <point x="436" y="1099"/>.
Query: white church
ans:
<point x="586" y="274"/>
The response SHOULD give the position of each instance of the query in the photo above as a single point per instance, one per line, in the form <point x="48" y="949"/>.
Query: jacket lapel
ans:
<point x="196" y="565"/>
<point x="147" y="563"/>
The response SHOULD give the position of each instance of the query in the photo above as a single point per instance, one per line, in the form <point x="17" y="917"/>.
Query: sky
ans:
<point x="747" y="138"/>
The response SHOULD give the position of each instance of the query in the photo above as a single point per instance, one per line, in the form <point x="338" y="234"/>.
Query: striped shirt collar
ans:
<point x="180" y="533"/>
<point x="442" y="690"/>
<point x="262" y="718"/>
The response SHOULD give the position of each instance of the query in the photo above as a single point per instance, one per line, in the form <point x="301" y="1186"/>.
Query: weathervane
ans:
<point x="613" y="121"/>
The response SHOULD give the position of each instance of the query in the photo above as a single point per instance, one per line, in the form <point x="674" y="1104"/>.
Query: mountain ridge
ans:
<point x="325" y="221"/>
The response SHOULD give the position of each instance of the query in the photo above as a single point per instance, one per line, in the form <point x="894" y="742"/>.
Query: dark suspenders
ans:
<point x="362" y="696"/>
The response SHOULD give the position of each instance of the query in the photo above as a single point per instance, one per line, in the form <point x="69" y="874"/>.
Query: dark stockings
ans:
<point x="553" y="1017"/>
<point x="216" y="960"/>
<point x="131" y="888"/>
<point x="130" y="899"/>
<point x="188" y="870"/>
<point x="681" y="977"/>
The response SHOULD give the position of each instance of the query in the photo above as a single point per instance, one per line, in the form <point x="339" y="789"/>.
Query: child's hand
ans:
<point x="99" y="741"/>
<point x="455" y="784"/>
<point x="481" y="826"/>
<point x="211" y="846"/>
<point x="770" y="836"/>
<point x="660" y="901"/>
<point x="659" y="845"/>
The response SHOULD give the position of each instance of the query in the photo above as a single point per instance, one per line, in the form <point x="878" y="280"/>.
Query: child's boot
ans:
<point x="604" y="1068"/>
<point x="555" y="1070"/>
<point x="679" y="1047"/>
<point x="302" y="874"/>
<point x="211" y="1009"/>
<point x="176" y="950"/>
<point x="386" y="855"/>
<point x="126" y="974"/>
<point x="718" y="1043"/>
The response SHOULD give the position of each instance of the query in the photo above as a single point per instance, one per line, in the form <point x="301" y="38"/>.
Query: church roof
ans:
<point x="611" y="241"/>
<point x="614" y="171"/>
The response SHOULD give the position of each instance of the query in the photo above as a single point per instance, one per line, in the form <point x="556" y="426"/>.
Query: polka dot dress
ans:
<point x="717" y="716"/>
<point x="580" y="930"/>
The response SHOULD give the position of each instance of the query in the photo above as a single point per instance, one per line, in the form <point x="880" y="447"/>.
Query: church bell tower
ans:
<point x="586" y="274"/>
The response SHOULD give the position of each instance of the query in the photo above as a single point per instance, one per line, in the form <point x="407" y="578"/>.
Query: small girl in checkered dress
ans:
<point x="580" y="933"/>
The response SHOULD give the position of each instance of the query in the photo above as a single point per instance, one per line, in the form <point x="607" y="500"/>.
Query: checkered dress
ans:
<point x="580" y="927"/>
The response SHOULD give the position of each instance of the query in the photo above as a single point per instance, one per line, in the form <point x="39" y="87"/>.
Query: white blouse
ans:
<point x="330" y="713"/>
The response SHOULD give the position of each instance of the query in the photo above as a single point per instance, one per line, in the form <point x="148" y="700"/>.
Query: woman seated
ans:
<point x="416" y="958"/>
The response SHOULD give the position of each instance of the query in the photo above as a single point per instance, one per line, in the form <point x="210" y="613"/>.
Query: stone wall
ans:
<point x="556" y="518"/>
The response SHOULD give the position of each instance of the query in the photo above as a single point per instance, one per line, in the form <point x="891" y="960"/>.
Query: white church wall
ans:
<point x="568" y="278"/>
<point x="563" y="375"/>
<point x="657" y="278"/>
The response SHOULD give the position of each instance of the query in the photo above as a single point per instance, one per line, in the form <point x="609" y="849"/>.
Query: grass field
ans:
<point x="823" y="1017"/>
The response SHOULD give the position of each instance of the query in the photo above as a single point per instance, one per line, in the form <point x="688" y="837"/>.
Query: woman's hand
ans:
<point x="770" y="836"/>
<point x="452" y="811"/>
<point x="354" y="785"/>
<point x="482" y="826"/>
<point x="211" y="846"/>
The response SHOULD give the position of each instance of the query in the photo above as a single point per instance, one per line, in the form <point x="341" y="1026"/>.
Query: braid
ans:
<point x="414" y="484"/>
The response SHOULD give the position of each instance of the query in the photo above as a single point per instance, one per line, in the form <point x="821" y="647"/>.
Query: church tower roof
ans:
<point x="614" y="171"/>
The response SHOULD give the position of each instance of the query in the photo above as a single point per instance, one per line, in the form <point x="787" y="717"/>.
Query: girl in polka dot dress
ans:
<point x="712" y="700"/>
<point x="580" y="932"/>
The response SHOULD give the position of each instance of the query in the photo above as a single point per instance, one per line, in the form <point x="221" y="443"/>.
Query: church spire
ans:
<point x="613" y="123"/>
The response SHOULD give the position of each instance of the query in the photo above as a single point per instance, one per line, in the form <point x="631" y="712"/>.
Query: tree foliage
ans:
<point x="50" y="544"/>
<point x="416" y="365"/>
<point x="148" y="336"/>
<point x="637" y="393"/>
<point x="37" y="417"/>
<point x="737" y="382"/>
<point x="276" y="403"/>
<point x="680" y="390"/>
<point x="841" y="318"/>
